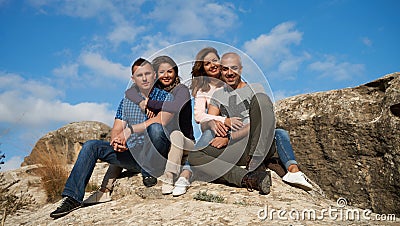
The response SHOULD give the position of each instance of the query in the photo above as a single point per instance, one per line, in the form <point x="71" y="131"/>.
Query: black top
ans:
<point x="181" y="104"/>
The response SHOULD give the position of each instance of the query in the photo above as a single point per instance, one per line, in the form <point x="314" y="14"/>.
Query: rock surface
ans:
<point x="67" y="141"/>
<point x="134" y="204"/>
<point x="348" y="141"/>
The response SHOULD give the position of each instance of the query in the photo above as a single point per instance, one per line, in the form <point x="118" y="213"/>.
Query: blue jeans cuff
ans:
<point x="187" y="167"/>
<point x="290" y="162"/>
<point x="66" y="193"/>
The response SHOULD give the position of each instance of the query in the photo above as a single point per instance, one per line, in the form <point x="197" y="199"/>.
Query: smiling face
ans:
<point x="211" y="65"/>
<point x="166" y="74"/>
<point x="144" y="77"/>
<point x="231" y="70"/>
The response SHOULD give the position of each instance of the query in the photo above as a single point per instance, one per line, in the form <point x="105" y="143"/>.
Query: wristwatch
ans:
<point x="131" y="128"/>
<point x="228" y="134"/>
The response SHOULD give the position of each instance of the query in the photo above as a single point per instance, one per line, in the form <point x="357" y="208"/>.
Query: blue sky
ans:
<point x="65" y="61"/>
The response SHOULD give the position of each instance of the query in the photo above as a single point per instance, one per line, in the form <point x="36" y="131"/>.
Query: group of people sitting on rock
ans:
<point x="153" y="132"/>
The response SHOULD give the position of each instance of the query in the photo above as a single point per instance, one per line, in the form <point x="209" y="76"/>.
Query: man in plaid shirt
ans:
<point x="129" y="122"/>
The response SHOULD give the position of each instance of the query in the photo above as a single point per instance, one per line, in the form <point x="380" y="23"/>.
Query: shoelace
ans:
<point x="248" y="186"/>
<point x="316" y="187"/>
<point x="308" y="180"/>
<point x="63" y="201"/>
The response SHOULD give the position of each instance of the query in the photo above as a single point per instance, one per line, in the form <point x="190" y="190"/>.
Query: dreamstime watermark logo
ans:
<point x="341" y="213"/>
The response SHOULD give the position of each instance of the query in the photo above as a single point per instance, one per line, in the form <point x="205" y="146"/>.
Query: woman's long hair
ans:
<point x="156" y="64"/>
<point x="200" y="79"/>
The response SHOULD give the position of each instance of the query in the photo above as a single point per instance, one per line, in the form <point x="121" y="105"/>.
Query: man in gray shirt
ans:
<point x="246" y="146"/>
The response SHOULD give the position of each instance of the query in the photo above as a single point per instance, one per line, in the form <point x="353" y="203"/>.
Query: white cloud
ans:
<point x="70" y="70"/>
<point x="14" y="84"/>
<point x="274" y="48"/>
<point x="150" y="45"/>
<point x="83" y="111"/>
<point x="289" y="67"/>
<point x="31" y="104"/>
<point x="121" y="14"/>
<point x="124" y="33"/>
<point x="12" y="164"/>
<point x="366" y="41"/>
<point x="102" y="66"/>
<point x="282" y="94"/>
<point x="195" y="18"/>
<point x="125" y="29"/>
<point x="274" y="51"/>
<point x="339" y="71"/>
<point x="84" y="9"/>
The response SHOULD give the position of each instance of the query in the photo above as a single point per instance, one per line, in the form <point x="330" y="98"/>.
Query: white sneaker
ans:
<point x="167" y="188"/>
<point x="97" y="197"/>
<point x="181" y="186"/>
<point x="297" y="179"/>
<point x="167" y="185"/>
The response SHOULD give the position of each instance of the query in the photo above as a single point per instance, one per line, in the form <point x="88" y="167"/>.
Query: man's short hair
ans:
<point x="232" y="54"/>
<point x="139" y="62"/>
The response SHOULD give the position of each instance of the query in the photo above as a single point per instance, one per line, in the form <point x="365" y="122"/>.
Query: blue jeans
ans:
<point x="155" y="151"/>
<point x="204" y="140"/>
<point x="284" y="148"/>
<point x="91" y="151"/>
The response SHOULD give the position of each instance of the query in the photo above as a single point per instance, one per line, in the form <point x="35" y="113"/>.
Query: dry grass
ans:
<point x="53" y="172"/>
<point x="10" y="201"/>
<point x="92" y="186"/>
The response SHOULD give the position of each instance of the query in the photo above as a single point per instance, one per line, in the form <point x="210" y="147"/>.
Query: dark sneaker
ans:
<point x="258" y="180"/>
<point x="67" y="205"/>
<point x="149" y="181"/>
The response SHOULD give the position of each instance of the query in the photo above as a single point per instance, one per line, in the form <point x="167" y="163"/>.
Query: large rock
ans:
<point x="67" y="141"/>
<point x="348" y="141"/>
<point x="134" y="204"/>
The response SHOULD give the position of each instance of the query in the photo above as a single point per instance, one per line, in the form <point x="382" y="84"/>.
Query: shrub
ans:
<point x="10" y="202"/>
<point x="53" y="172"/>
<point x="204" y="196"/>
<point x="92" y="186"/>
<point x="2" y="156"/>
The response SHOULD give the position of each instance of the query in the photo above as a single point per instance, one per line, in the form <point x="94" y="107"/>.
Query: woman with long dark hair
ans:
<point x="179" y="129"/>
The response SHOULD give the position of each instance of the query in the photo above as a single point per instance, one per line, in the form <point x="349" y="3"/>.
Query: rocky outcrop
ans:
<point x="134" y="204"/>
<point x="348" y="141"/>
<point x="67" y="141"/>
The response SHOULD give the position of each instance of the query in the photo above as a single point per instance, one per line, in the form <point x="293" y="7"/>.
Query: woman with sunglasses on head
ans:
<point x="205" y="80"/>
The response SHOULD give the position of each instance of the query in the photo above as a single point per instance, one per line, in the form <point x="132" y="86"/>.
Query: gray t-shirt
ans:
<point x="236" y="103"/>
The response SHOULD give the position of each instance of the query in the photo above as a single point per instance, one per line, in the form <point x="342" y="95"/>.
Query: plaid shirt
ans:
<point x="132" y="114"/>
<point x="118" y="115"/>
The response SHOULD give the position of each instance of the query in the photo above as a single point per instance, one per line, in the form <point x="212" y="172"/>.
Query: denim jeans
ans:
<point x="155" y="150"/>
<point x="91" y="151"/>
<point x="284" y="148"/>
<point x="204" y="140"/>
